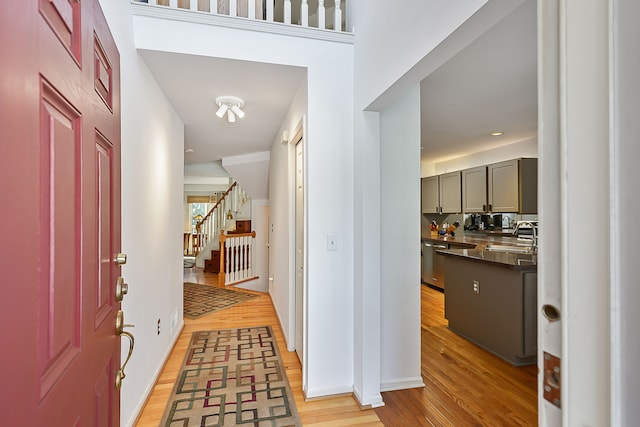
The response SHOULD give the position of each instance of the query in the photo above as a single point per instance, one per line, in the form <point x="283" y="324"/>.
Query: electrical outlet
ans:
<point x="476" y="287"/>
<point x="158" y="326"/>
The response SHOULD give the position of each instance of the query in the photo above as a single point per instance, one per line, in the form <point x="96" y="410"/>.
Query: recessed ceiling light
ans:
<point x="188" y="150"/>
<point x="497" y="133"/>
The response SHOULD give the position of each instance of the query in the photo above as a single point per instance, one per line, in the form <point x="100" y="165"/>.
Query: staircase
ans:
<point x="220" y="218"/>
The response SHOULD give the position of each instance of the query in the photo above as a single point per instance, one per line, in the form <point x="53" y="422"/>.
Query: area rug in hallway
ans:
<point x="200" y="300"/>
<point x="232" y="377"/>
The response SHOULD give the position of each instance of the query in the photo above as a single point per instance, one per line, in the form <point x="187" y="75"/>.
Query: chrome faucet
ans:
<point x="534" y="233"/>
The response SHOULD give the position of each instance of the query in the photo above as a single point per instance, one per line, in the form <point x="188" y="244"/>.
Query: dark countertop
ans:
<point x="513" y="260"/>
<point x="474" y="245"/>
<point x="471" y="239"/>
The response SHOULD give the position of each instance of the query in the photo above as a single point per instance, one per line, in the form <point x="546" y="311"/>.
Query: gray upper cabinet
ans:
<point x="512" y="186"/>
<point x="450" y="195"/>
<point x="430" y="195"/>
<point x="441" y="194"/>
<point x="474" y="190"/>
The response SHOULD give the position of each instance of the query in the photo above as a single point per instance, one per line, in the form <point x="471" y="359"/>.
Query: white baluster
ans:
<point x="234" y="264"/>
<point x="251" y="13"/>
<point x="287" y="11"/>
<point x="239" y="269"/>
<point x="173" y="4"/>
<point x="269" y="10"/>
<point x="240" y="249"/>
<point x="213" y="6"/>
<point x="337" y="17"/>
<point x="321" y="12"/>
<point x="245" y="247"/>
<point x="233" y="7"/>
<point x="193" y="5"/>
<point x="304" y="13"/>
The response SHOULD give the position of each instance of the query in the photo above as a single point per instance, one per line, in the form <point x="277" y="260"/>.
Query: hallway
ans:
<point x="465" y="385"/>
<point x="257" y="312"/>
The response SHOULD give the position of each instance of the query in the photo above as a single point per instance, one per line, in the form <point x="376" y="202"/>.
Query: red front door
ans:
<point x="59" y="214"/>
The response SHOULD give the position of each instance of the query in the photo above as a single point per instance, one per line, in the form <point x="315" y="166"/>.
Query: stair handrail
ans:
<point x="203" y="236"/>
<point x="224" y="195"/>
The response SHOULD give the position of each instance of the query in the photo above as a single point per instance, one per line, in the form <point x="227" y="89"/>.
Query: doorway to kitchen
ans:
<point x="468" y="119"/>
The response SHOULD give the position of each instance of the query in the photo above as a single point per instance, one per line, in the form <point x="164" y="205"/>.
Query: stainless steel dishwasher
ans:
<point x="433" y="264"/>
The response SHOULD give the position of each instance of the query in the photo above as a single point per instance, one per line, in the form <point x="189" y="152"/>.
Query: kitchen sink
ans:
<point x="505" y="248"/>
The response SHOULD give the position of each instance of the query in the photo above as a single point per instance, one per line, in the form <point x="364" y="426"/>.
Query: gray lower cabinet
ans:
<point x="493" y="306"/>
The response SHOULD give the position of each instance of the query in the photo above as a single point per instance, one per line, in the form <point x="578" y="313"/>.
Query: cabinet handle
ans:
<point x="490" y="210"/>
<point x="484" y="208"/>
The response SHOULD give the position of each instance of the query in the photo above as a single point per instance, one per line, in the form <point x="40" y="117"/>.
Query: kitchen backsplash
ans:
<point x="467" y="222"/>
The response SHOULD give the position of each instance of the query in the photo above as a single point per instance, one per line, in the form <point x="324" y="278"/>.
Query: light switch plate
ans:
<point x="332" y="242"/>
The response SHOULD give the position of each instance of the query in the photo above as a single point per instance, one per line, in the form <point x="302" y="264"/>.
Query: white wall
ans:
<point x="527" y="148"/>
<point x="400" y="360"/>
<point x="282" y="217"/>
<point x="152" y="177"/>
<point x="329" y="178"/>
<point x="626" y="105"/>
<point x="410" y="32"/>
<point x="205" y="169"/>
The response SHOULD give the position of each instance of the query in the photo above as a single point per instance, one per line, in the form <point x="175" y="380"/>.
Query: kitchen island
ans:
<point x="432" y="245"/>
<point x="491" y="299"/>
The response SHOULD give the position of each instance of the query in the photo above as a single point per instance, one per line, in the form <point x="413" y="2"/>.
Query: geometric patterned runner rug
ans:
<point x="200" y="300"/>
<point x="232" y="377"/>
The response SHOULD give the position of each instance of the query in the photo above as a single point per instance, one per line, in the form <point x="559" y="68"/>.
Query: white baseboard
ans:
<point x="328" y="392"/>
<point x="371" y="401"/>
<point x="145" y="396"/>
<point x="402" y="384"/>
<point x="290" y="346"/>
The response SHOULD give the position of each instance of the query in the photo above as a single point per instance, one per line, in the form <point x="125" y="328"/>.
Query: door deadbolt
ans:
<point x="121" y="289"/>
<point x="120" y="259"/>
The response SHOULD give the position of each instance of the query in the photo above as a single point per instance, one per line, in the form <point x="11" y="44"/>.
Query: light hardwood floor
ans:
<point x="465" y="385"/>
<point x="338" y="411"/>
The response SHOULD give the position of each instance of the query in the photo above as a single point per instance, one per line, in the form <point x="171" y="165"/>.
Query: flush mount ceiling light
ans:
<point x="231" y="106"/>
<point x="499" y="133"/>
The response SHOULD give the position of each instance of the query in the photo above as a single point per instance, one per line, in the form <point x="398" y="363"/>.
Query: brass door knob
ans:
<point x="120" y="325"/>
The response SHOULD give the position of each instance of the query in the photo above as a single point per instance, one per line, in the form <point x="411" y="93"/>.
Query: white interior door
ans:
<point x="299" y="250"/>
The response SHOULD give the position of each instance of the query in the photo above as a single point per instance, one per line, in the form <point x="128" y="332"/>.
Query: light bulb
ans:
<point x="223" y="109"/>
<point x="236" y="109"/>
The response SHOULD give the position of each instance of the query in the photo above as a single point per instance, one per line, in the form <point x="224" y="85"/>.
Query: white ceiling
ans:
<point x="489" y="86"/>
<point x="192" y="84"/>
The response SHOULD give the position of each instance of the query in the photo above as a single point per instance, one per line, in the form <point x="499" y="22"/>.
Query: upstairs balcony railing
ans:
<point x="320" y="14"/>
